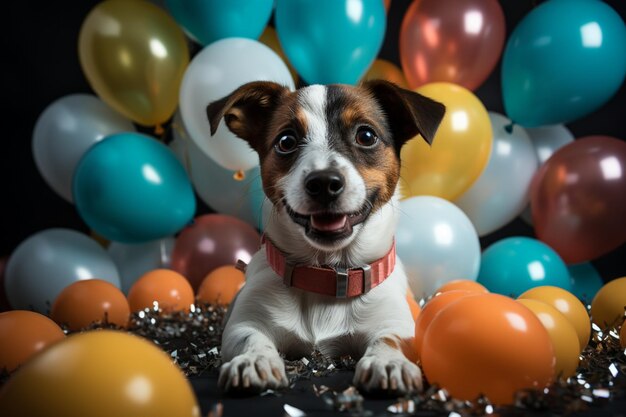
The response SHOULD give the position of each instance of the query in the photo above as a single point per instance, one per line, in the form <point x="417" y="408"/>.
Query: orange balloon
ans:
<point x="23" y="334"/>
<point x="464" y="285"/>
<point x="385" y="70"/>
<point x="413" y="306"/>
<point x="221" y="285"/>
<point x="568" y="304"/>
<point x="85" y="302"/>
<point x="562" y="333"/>
<point x="430" y="310"/>
<point x="607" y="307"/>
<point x="622" y="335"/>
<point x="487" y="344"/>
<point x="169" y="288"/>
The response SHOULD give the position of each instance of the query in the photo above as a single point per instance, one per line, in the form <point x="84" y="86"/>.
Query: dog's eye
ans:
<point x="286" y="143"/>
<point x="366" y="137"/>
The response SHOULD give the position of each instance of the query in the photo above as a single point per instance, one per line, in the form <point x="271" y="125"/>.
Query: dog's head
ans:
<point x="330" y="155"/>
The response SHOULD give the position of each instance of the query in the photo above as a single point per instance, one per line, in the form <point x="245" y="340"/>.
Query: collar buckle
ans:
<point x="342" y="282"/>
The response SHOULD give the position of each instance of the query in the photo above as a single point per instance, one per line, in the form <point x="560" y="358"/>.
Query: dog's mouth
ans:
<point x="329" y="226"/>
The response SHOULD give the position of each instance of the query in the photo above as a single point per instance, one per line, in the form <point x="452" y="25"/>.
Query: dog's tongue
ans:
<point x="328" y="222"/>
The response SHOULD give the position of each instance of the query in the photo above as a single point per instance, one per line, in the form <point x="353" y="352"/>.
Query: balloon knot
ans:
<point x="239" y="175"/>
<point x="158" y="130"/>
<point x="509" y="128"/>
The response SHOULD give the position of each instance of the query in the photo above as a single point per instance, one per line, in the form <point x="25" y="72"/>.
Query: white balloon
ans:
<point x="546" y="140"/>
<point x="502" y="190"/>
<point x="437" y="244"/>
<point x="63" y="133"/>
<point x="134" y="260"/>
<point x="214" y="73"/>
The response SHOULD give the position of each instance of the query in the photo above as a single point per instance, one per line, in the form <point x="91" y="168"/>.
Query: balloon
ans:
<point x="216" y="186"/>
<point x="546" y="140"/>
<point x="413" y="306"/>
<point x="65" y="131"/>
<point x="462" y="284"/>
<point x="622" y="335"/>
<point x="213" y="240"/>
<point x="385" y="70"/>
<point x="4" y="301"/>
<point x="211" y="20"/>
<point x="214" y="73"/>
<point x="517" y="264"/>
<point x="563" y="61"/>
<point x="22" y="335"/>
<point x="436" y="243"/>
<point x="487" y="344"/>
<point x="168" y="288"/>
<point x="566" y="303"/>
<point x="86" y="302"/>
<point x="438" y="303"/>
<point x="221" y="285"/>
<point x="607" y="307"/>
<point x="134" y="260"/>
<point x="48" y="261"/>
<point x="130" y="188"/>
<point x="501" y="192"/>
<point x="460" y="44"/>
<point x="562" y="334"/>
<point x="100" y="374"/>
<point x="269" y="38"/>
<point x="578" y="198"/>
<point x="585" y="281"/>
<point x="330" y="41"/>
<point x="134" y="56"/>
<point x="459" y="152"/>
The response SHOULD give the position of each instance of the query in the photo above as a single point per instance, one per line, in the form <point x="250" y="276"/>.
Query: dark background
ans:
<point x="39" y="56"/>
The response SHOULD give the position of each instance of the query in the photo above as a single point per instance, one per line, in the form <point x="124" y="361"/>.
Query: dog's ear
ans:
<point x="408" y="112"/>
<point x="246" y="110"/>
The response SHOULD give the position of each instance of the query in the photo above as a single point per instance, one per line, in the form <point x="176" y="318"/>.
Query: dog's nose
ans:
<point x="324" y="186"/>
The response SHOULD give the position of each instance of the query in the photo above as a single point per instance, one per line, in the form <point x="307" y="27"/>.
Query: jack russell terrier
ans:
<point x="327" y="276"/>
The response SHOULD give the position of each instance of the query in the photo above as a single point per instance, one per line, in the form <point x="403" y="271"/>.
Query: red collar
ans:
<point x="338" y="282"/>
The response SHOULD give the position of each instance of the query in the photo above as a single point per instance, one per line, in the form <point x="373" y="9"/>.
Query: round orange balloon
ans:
<point x="85" y="302"/>
<point x="169" y="288"/>
<point x="562" y="333"/>
<point x="384" y="70"/>
<point x="430" y="310"/>
<point x="221" y="285"/>
<point x="100" y="374"/>
<point x="607" y="307"/>
<point x="24" y="333"/>
<point x="464" y="285"/>
<point x="459" y="152"/>
<point x="487" y="344"/>
<point x="568" y="304"/>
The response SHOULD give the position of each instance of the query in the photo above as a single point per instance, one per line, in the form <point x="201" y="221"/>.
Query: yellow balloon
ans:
<point x="607" y="307"/>
<point x="459" y="152"/>
<point x="134" y="56"/>
<point x="99" y="374"/>
<point x="270" y="39"/>
<point x="385" y="70"/>
<point x="562" y="333"/>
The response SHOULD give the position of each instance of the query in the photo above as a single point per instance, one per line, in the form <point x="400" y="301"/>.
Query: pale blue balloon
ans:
<point x="210" y="20"/>
<point x="130" y="188"/>
<point x="514" y="265"/>
<point x="585" y="281"/>
<point x="50" y="260"/>
<point x="565" y="59"/>
<point x="330" y="41"/>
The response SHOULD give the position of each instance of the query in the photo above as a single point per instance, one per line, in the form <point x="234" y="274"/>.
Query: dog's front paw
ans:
<point x="397" y="375"/>
<point x="253" y="372"/>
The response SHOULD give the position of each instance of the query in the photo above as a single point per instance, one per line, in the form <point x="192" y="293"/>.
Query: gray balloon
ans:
<point x="65" y="131"/>
<point x="48" y="261"/>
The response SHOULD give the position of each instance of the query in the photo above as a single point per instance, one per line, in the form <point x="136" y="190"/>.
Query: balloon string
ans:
<point x="509" y="128"/>
<point x="239" y="175"/>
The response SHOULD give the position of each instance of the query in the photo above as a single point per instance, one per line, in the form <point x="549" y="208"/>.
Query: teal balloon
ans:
<point x="514" y="265"/>
<point x="330" y="41"/>
<point x="130" y="188"/>
<point x="208" y="21"/>
<point x="565" y="59"/>
<point x="585" y="281"/>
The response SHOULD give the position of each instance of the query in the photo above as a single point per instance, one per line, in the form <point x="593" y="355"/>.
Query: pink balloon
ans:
<point x="458" y="42"/>
<point x="578" y="198"/>
<point x="213" y="240"/>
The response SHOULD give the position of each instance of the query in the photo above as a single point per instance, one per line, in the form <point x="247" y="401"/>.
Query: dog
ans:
<point x="327" y="276"/>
